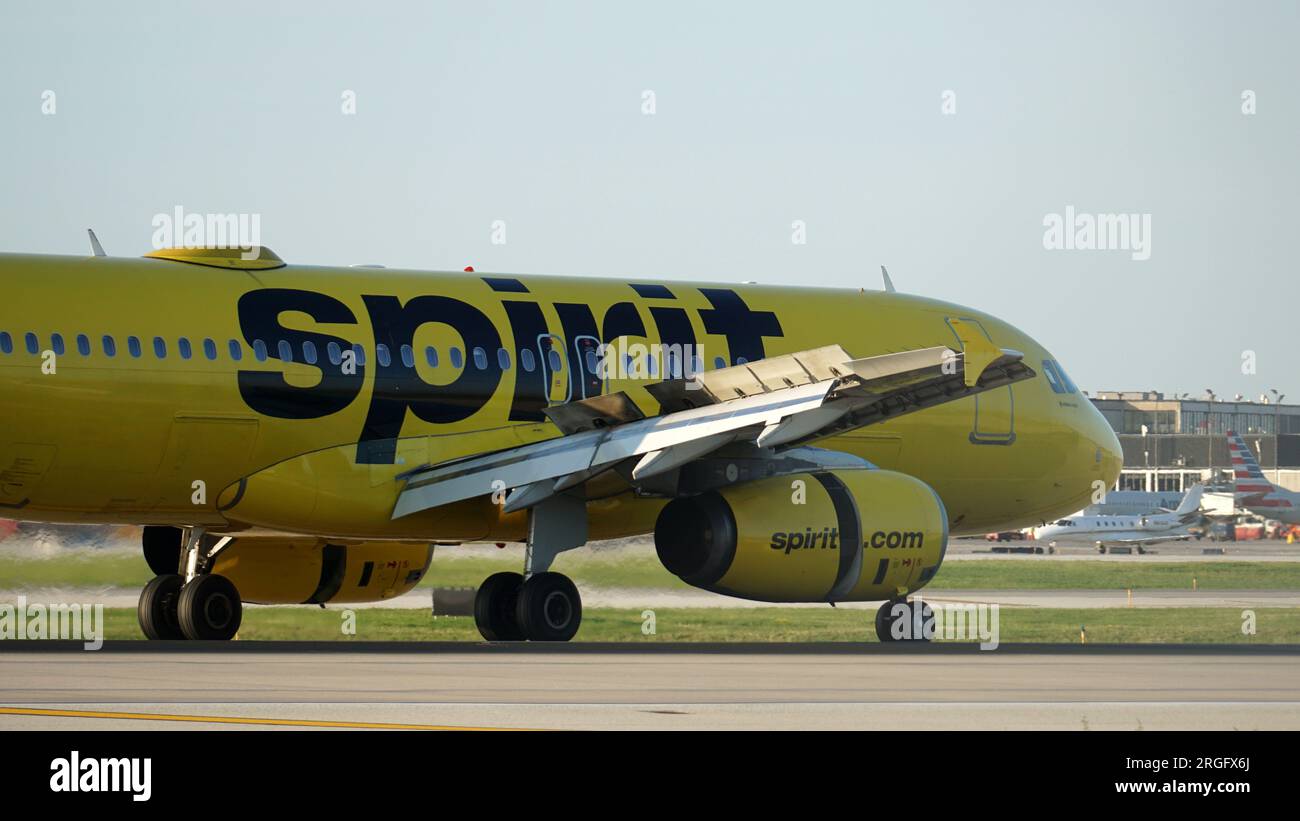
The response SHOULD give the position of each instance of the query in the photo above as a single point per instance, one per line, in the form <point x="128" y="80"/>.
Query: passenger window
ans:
<point x="553" y="359"/>
<point x="408" y="356"/>
<point x="335" y="353"/>
<point x="503" y="359"/>
<point x="382" y="356"/>
<point x="183" y="346"/>
<point x="6" y="342"/>
<point x="480" y="359"/>
<point x="455" y="357"/>
<point x="285" y="350"/>
<point x="159" y="347"/>
<point x="740" y="360"/>
<point x="210" y="350"/>
<point x="110" y="346"/>
<point x="526" y="360"/>
<point x="236" y="350"/>
<point x="309" y="351"/>
<point x="259" y="350"/>
<point x="593" y="362"/>
<point x="359" y="351"/>
<point x="56" y="344"/>
<point x="431" y="356"/>
<point x="719" y="362"/>
<point x="83" y="344"/>
<point x="33" y="346"/>
<point x="133" y="346"/>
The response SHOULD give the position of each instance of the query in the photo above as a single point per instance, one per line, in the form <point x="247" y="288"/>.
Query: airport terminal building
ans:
<point x="1171" y="443"/>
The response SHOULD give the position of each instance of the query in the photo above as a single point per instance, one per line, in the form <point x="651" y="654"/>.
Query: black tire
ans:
<point x="210" y="609"/>
<point x="157" y="611"/>
<point x="885" y="620"/>
<point x="549" y="608"/>
<point x="927" y="622"/>
<point x="162" y="549"/>
<point x="494" y="607"/>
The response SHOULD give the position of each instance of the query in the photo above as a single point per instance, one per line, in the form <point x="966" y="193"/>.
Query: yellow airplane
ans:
<point x="293" y="434"/>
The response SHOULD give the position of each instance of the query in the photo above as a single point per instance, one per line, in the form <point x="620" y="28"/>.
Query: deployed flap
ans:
<point x="595" y="450"/>
<point x="775" y="373"/>
<point x="779" y="402"/>
<point x="597" y="412"/>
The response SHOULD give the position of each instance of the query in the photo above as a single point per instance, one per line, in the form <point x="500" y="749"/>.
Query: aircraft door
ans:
<point x="586" y="366"/>
<point x="550" y="355"/>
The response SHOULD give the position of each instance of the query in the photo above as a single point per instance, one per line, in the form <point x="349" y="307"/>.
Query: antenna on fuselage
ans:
<point x="889" y="283"/>
<point x="95" y="247"/>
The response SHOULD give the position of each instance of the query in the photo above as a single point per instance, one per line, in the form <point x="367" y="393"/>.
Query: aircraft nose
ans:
<point x="1107" y="454"/>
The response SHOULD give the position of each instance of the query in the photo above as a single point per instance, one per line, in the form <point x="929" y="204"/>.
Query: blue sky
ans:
<point x="531" y="113"/>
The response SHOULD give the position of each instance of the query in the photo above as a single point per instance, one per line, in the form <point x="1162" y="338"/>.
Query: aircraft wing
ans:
<point x="1138" y="538"/>
<point x="778" y="402"/>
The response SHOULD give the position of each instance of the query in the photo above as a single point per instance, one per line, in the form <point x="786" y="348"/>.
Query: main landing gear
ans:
<point x="543" y="607"/>
<point x="902" y="620"/>
<point x="537" y="605"/>
<point x="193" y="603"/>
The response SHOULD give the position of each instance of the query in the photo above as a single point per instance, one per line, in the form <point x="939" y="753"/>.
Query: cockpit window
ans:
<point x="1056" y="378"/>
<point x="1049" y="373"/>
<point x="1065" y="378"/>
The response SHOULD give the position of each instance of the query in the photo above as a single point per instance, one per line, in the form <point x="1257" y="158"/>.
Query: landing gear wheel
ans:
<point x="549" y="608"/>
<point x="210" y="609"/>
<point x="494" y="607"/>
<point x="887" y="617"/>
<point x="157" y="608"/>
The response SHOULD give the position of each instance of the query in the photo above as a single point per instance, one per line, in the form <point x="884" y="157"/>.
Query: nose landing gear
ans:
<point x="901" y="620"/>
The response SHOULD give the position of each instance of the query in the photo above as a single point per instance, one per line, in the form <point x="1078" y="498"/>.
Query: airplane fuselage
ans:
<point x="1150" y="529"/>
<point x="165" y="392"/>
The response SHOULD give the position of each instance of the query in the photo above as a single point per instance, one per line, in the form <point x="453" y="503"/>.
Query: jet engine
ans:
<point x="836" y="535"/>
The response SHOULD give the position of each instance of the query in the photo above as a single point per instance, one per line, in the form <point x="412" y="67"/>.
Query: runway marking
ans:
<point x="282" y="722"/>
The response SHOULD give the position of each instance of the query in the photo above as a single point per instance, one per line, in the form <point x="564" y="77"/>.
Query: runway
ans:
<point x="699" y="599"/>
<point x="591" y="686"/>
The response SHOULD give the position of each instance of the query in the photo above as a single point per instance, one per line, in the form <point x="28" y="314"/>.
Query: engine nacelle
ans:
<point x="313" y="571"/>
<point x="839" y="535"/>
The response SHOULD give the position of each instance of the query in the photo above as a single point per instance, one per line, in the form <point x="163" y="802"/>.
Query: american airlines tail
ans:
<point x="1250" y="489"/>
